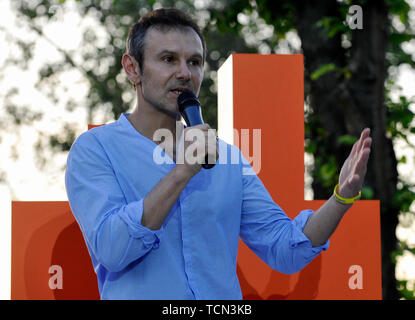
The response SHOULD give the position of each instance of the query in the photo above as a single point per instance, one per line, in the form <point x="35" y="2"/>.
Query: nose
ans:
<point x="183" y="72"/>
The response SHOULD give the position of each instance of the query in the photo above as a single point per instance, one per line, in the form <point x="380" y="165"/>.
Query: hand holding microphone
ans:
<point x="189" y="107"/>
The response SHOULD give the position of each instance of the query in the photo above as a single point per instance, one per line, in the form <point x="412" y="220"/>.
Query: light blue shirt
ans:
<point x="110" y="170"/>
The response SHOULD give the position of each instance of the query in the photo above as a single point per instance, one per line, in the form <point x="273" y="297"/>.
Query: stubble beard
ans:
<point x="161" y="107"/>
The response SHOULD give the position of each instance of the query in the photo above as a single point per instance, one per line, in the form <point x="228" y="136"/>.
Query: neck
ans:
<point x="148" y="120"/>
<point x="147" y="127"/>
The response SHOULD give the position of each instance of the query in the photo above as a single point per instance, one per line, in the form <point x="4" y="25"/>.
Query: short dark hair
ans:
<point x="161" y="18"/>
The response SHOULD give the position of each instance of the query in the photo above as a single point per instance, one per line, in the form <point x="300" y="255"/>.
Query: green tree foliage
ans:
<point x="101" y="64"/>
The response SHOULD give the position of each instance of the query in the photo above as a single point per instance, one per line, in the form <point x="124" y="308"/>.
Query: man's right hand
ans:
<point x="195" y="143"/>
<point x="160" y="200"/>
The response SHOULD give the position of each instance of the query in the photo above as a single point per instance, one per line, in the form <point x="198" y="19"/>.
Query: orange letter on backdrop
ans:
<point x="266" y="92"/>
<point x="256" y="92"/>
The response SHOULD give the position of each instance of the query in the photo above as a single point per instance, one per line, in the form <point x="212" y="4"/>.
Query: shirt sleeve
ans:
<point x="270" y="233"/>
<point x="111" y="227"/>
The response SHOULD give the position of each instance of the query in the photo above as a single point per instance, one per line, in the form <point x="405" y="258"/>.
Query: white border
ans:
<point x="225" y="101"/>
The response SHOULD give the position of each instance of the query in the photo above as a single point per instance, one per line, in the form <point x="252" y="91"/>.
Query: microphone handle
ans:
<point x="207" y="165"/>
<point x="193" y="117"/>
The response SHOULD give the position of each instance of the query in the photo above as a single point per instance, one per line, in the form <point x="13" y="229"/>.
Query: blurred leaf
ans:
<point x="406" y="293"/>
<point x="367" y="193"/>
<point x="322" y="70"/>
<point x="399" y="38"/>
<point x="399" y="115"/>
<point x="399" y="8"/>
<point x="403" y="198"/>
<point x="333" y="26"/>
<point x="346" y="139"/>
<point x="327" y="173"/>
<point x="402" y="159"/>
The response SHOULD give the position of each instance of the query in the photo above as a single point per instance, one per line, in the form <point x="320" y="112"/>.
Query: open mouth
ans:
<point x="177" y="91"/>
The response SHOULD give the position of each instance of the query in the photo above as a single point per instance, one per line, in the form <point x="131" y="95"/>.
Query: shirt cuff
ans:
<point x="300" y="239"/>
<point x="132" y="214"/>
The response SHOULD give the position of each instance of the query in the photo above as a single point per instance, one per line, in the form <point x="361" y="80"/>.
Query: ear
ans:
<point x="131" y="68"/>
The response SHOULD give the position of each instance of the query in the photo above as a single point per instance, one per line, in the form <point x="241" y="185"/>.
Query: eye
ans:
<point x="167" y="59"/>
<point x="195" y="62"/>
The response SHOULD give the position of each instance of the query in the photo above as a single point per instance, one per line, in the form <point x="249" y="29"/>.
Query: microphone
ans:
<point x="189" y="107"/>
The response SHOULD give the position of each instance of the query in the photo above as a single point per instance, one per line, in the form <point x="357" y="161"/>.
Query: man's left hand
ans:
<point x="353" y="172"/>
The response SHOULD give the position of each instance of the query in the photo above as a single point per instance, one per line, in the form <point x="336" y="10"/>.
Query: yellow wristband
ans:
<point x="346" y="200"/>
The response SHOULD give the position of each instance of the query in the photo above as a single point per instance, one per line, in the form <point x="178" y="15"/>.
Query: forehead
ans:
<point x="183" y="39"/>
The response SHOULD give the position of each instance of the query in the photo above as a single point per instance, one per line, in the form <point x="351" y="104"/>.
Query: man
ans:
<point x="171" y="230"/>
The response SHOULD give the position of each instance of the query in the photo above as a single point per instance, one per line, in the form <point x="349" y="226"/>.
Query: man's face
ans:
<point x="173" y="62"/>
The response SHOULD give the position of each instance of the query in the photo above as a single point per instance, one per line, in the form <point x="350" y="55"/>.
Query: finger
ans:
<point x="211" y="141"/>
<point x="202" y="127"/>
<point x="360" y="158"/>
<point x="211" y="133"/>
<point x="205" y="126"/>
<point x="212" y="153"/>
<point x="367" y="143"/>
<point x="354" y="149"/>
<point x="361" y="165"/>
<point x="355" y="183"/>
<point x="365" y="134"/>
<point x="360" y="143"/>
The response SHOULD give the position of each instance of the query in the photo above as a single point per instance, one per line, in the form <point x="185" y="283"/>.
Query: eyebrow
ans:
<point x="165" y="51"/>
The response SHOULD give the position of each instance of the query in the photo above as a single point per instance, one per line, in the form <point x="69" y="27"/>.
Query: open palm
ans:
<point x="353" y="172"/>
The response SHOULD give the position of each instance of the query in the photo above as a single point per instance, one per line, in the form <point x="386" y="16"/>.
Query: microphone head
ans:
<point x="187" y="98"/>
